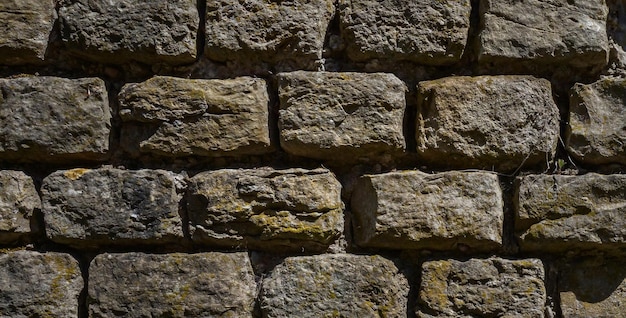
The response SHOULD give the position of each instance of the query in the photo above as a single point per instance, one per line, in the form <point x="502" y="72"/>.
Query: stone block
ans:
<point x="18" y="201"/>
<point x="412" y="209"/>
<point x="497" y="123"/>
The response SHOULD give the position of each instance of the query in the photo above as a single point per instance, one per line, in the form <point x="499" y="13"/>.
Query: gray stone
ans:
<point x="18" y="201"/>
<point x="196" y="117"/>
<point x="89" y="208"/>
<point x="54" y="119"/>
<point x="341" y="116"/>
<point x="423" y="31"/>
<point x="443" y="211"/>
<point x="171" y="285"/>
<point x="488" y="122"/>
<point x="290" y="209"/>
<point x="39" y="284"/>
<point x="491" y="287"/>
<point x="335" y="286"/>
<point x="26" y="26"/>
<point x="597" y="124"/>
<point x="119" y="31"/>
<point x="561" y="213"/>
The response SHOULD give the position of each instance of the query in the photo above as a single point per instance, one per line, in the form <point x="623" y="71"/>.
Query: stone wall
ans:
<point x="312" y="158"/>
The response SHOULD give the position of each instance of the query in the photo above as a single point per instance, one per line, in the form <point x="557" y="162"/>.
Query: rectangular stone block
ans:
<point x="119" y="31"/>
<point x="175" y="117"/>
<point x="290" y="209"/>
<point x="491" y="287"/>
<point x="111" y="207"/>
<point x="424" y="31"/>
<point x="497" y="123"/>
<point x="18" y="201"/>
<point x="171" y="285"/>
<point x="416" y="210"/>
<point x="39" y="284"/>
<point x="26" y="26"/>
<point x="341" y="116"/>
<point x="51" y="119"/>
<point x="562" y="213"/>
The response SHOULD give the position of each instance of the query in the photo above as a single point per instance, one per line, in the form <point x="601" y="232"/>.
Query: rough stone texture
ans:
<point x="549" y="32"/>
<point x="268" y="31"/>
<point x="36" y="284"/>
<point x="597" y="123"/>
<point x="491" y="287"/>
<point x="562" y="213"/>
<point x="424" y="31"/>
<point x="26" y="26"/>
<point x="341" y="116"/>
<point x="335" y="286"/>
<point x="53" y="119"/>
<point x="487" y="122"/>
<point x="89" y="208"/>
<point x="196" y="117"/>
<point x="265" y="208"/>
<point x="412" y="209"/>
<point x="118" y="31"/>
<point x="18" y="200"/>
<point x="171" y="285"/>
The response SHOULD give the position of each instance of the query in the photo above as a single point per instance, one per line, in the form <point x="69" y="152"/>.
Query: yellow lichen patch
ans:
<point x="75" y="173"/>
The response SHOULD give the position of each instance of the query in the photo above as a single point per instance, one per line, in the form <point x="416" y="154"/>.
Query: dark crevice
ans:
<point x="201" y="36"/>
<point x="509" y="239"/>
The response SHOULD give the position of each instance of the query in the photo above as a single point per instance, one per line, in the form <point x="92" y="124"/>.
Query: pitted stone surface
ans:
<point x="18" y="201"/>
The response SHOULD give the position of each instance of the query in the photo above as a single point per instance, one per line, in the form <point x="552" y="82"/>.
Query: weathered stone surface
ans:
<point x="171" y="285"/>
<point x="89" y="208"/>
<point x="341" y="116"/>
<point x="424" y="31"/>
<point x="560" y="213"/>
<point x="265" y="208"/>
<point x="412" y="209"/>
<point x="18" y="200"/>
<point x="487" y="122"/>
<point x="597" y="124"/>
<point x="26" y="27"/>
<point x="196" y="117"/>
<point x="543" y="31"/>
<point x="491" y="287"/>
<point x="335" y="286"/>
<point x="36" y="284"/>
<point x="118" y="31"/>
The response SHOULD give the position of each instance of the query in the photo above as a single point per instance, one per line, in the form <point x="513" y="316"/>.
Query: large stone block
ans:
<point x="597" y="124"/>
<point x="176" y="117"/>
<point x="54" y="119"/>
<point x="26" y="26"/>
<point x="491" y="287"/>
<point x="111" y="207"/>
<point x="171" y="285"/>
<point x="265" y="208"/>
<point x="119" y="31"/>
<point x="341" y="116"/>
<point x="18" y="201"/>
<point x="412" y="209"/>
<point x="487" y="122"/>
<point x="423" y="31"/>
<point x="36" y="284"/>
<point x="561" y="213"/>
<point x="335" y="286"/>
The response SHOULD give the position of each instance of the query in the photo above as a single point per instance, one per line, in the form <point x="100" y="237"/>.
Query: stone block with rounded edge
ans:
<point x="18" y="201"/>
<point x="175" y="117"/>
<point x="424" y="31"/>
<point x="497" y="123"/>
<point x="341" y="116"/>
<point x="597" y="125"/>
<point x="491" y="287"/>
<point x="37" y="284"/>
<point x="52" y="119"/>
<point x="290" y="209"/>
<point x="120" y="31"/>
<point x="171" y="285"/>
<point x="416" y="210"/>
<point x="335" y="286"/>
<point x="111" y="207"/>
